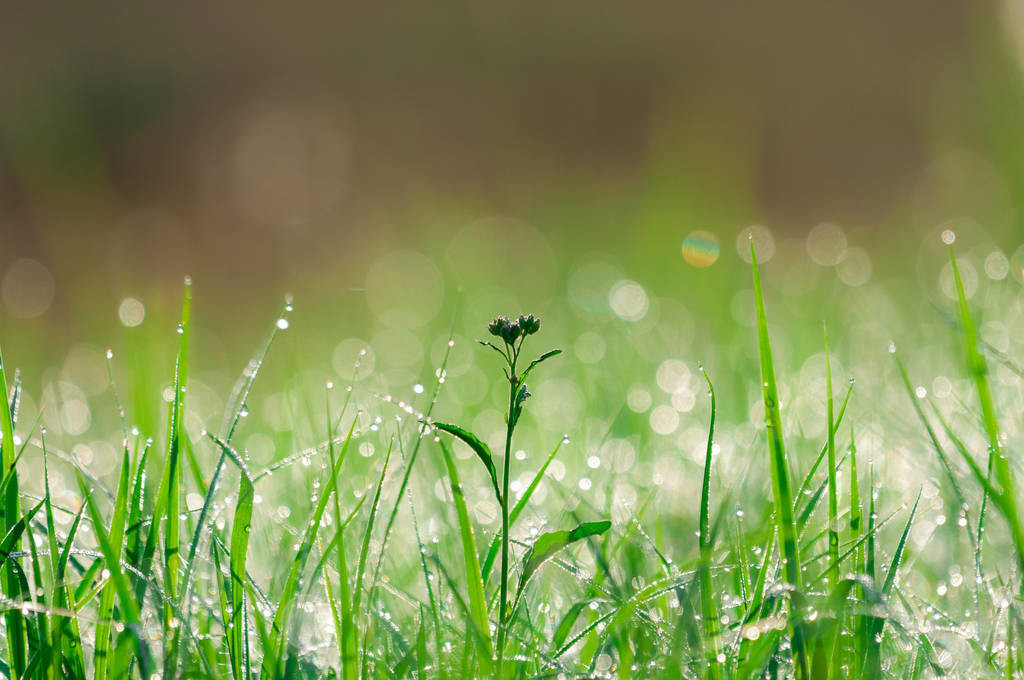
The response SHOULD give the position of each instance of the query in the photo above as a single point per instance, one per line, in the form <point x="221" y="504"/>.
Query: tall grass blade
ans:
<point x="477" y="602"/>
<point x="364" y="549"/>
<point x="116" y="541"/>
<point x="977" y="368"/>
<point x="112" y="561"/>
<point x="17" y="653"/>
<point x="709" y="609"/>
<point x="276" y="636"/>
<point x="781" y="488"/>
<point x="833" y="494"/>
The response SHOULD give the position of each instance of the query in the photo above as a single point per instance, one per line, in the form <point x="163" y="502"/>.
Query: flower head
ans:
<point x="529" y="323"/>
<point x="497" y="327"/>
<point x="510" y="332"/>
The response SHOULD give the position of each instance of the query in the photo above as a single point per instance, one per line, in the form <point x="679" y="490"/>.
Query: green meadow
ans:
<point x="788" y="468"/>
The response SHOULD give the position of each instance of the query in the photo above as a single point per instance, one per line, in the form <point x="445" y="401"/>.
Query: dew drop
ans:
<point x="948" y="237"/>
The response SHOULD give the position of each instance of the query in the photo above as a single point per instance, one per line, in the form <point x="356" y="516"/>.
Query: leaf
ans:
<point x="14" y="535"/>
<point x="517" y="408"/>
<point x="533" y="364"/>
<point x="549" y="543"/>
<point x="494" y="347"/>
<point x="479" y="448"/>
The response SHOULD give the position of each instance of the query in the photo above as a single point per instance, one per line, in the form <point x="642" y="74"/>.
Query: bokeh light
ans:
<point x="131" y="312"/>
<point x="28" y="288"/>
<point x="700" y="249"/>
<point x="404" y="289"/>
<point x="763" y="240"/>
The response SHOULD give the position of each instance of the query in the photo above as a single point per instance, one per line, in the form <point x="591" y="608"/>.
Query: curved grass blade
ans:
<point x="709" y="610"/>
<point x="237" y="622"/>
<point x="872" y="665"/>
<point x="477" y="601"/>
<point x="479" y="448"/>
<point x="977" y="367"/>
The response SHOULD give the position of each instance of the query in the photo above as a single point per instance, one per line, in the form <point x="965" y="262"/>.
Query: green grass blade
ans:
<point x="474" y="583"/>
<point x="364" y="549"/>
<point x="112" y="560"/>
<point x="709" y="608"/>
<point x="977" y="367"/>
<point x="231" y="420"/>
<point x="781" y="488"/>
<point x="9" y="584"/>
<point x="162" y="514"/>
<point x="237" y="622"/>
<point x="115" y="535"/>
<point x="276" y="636"/>
<point x="344" y="625"/>
<point x="492" y="551"/>
<point x="482" y="451"/>
<point x="172" y="522"/>
<point x="833" y="494"/>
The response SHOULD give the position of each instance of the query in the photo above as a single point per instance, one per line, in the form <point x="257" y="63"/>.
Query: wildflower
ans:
<point x="529" y="324"/>
<point x="510" y="332"/>
<point x="497" y="327"/>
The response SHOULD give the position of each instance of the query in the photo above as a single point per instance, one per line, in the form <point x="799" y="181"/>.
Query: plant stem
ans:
<point x="503" y="603"/>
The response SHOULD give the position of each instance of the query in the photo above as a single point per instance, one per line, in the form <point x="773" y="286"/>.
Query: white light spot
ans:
<point x="131" y="312"/>
<point x="628" y="300"/>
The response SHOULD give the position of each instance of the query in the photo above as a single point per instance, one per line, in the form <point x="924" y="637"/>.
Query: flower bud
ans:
<point x="497" y="327"/>
<point x="529" y="324"/>
<point x="510" y="332"/>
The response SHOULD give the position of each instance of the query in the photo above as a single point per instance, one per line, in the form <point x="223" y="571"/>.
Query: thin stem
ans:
<point x="510" y="425"/>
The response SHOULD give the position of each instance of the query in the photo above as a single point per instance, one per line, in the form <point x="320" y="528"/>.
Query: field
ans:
<point x="712" y="484"/>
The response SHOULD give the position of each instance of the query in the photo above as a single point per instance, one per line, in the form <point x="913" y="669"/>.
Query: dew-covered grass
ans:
<point x="624" y="490"/>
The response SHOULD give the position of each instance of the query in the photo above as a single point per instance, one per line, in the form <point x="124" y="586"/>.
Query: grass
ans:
<point x="392" y="543"/>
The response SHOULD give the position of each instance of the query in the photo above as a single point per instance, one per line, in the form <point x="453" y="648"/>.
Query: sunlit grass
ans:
<point x="800" y="535"/>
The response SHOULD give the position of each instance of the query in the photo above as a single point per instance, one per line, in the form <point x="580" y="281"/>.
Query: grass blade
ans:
<point x="709" y="609"/>
<point x="781" y="489"/>
<point x="15" y="634"/>
<point x="479" y="448"/>
<point x="477" y="601"/>
<point x="276" y="636"/>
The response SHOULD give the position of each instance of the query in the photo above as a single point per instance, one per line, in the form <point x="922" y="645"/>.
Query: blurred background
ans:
<point x="400" y="168"/>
